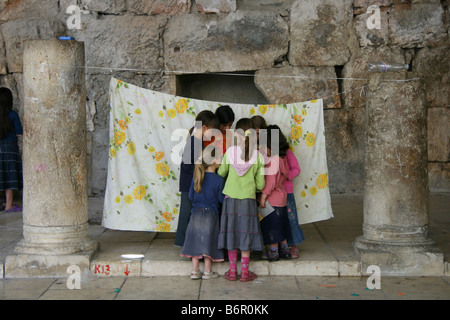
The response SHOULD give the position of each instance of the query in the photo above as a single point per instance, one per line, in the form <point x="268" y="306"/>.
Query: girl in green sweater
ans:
<point x="243" y="167"/>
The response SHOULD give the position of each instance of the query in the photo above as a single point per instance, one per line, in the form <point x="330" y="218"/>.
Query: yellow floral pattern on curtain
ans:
<point x="143" y="177"/>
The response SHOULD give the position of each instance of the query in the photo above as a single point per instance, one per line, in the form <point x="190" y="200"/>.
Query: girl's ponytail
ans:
<point x="246" y="125"/>
<point x="247" y="147"/>
<point x="199" y="176"/>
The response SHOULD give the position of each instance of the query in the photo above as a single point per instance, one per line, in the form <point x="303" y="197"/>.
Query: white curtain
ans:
<point x="143" y="170"/>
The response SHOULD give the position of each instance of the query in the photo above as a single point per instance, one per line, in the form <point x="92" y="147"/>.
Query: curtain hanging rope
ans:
<point x="181" y="72"/>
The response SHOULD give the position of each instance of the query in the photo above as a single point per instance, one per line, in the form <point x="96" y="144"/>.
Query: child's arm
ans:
<point x="294" y="167"/>
<point x="271" y="182"/>
<point x="262" y="200"/>
<point x="191" y="191"/>
<point x="270" y="185"/>
<point x="260" y="180"/>
<point x="220" y="195"/>
<point x="223" y="169"/>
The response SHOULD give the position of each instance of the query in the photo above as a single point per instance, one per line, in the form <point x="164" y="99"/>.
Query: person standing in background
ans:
<point x="11" y="178"/>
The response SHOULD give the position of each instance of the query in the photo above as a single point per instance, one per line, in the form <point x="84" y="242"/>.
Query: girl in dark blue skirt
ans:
<point x="10" y="159"/>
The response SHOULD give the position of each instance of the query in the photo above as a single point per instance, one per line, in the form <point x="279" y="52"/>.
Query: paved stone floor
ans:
<point x="263" y="288"/>
<point x="327" y="242"/>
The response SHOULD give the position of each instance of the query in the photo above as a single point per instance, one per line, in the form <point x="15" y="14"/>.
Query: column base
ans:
<point x="25" y="265"/>
<point x="47" y="252"/>
<point x="55" y="240"/>
<point x="63" y="248"/>
<point x="397" y="258"/>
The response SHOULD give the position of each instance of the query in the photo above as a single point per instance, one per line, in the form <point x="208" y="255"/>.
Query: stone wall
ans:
<point x="282" y="42"/>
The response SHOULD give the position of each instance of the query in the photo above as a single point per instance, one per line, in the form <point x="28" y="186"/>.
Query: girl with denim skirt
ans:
<point x="203" y="229"/>
<point x="296" y="236"/>
<point x="205" y="120"/>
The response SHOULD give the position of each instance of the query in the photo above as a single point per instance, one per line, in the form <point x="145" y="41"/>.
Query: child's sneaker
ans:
<point x="294" y="252"/>
<point x="210" y="275"/>
<point x="195" y="275"/>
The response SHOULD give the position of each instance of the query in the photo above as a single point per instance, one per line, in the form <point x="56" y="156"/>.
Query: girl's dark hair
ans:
<point x="6" y="104"/>
<point x="283" y="145"/>
<point x="259" y="122"/>
<point x="225" y="114"/>
<point x="207" y="118"/>
<point x="246" y="125"/>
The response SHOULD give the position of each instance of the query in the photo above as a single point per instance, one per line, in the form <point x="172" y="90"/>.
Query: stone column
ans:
<point x="396" y="180"/>
<point x="55" y="213"/>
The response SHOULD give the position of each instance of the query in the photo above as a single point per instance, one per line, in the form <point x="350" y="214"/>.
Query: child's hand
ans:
<point x="262" y="201"/>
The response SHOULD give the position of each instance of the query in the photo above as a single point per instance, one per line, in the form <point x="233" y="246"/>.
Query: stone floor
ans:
<point x="326" y="269"/>
<point x="262" y="289"/>
<point x="327" y="250"/>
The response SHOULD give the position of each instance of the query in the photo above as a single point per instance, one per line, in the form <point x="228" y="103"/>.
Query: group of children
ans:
<point x="219" y="211"/>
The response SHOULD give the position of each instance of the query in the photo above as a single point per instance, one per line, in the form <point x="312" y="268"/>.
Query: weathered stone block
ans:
<point x="3" y="64"/>
<point x="122" y="42"/>
<point x="416" y="25"/>
<point x="236" y="41"/>
<point x="439" y="176"/>
<point x="170" y="7"/>
<point x="281" y="6"/>
<point x="360" y="6"/>
<point x="25" y="9"/>
<point x="99" y="165"/>
<point x="15" y="33"/>
<point x="18" y="103"/>
<point x="320" y="33"/>
<point x="345" y="132"/>
<point x="366" y="3"/>
<point x="438" y="134"/>
<point x="294" y="84"/>
<point x="433" y="66"/>
<point x="215" y="6"/>
<point x="357" y="68"/>
<point x="106" y="6"/>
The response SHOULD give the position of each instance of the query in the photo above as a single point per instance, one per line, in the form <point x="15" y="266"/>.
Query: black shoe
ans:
<point x="272" y="255"/>
<point x="285" y="253"/>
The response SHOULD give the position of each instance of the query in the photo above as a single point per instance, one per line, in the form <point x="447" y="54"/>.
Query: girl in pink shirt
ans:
<point x="297" y="235"/>
<point x="275" y="227"/>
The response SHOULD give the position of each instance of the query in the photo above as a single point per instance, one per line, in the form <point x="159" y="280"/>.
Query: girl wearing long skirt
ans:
<point x="202" y="232"/>
<point x="243" y="167"/>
